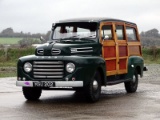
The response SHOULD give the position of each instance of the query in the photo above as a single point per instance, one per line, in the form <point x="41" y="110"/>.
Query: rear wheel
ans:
<point x="31" y="93"/>
<point x="93" y="89"/>
<point x="131" y="86"/>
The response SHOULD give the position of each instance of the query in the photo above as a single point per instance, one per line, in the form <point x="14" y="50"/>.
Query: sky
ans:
<point x="37" y="16"/>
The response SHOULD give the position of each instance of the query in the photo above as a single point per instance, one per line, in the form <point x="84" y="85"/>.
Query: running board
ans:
<point x="118" y="81"/>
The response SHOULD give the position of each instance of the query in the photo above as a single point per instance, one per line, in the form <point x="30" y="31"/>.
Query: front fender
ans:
<point x="135" y="62"/>
<point x="86" y="66"/>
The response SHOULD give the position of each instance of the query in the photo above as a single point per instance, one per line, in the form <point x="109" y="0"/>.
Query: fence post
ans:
<point x="6" y="51"/>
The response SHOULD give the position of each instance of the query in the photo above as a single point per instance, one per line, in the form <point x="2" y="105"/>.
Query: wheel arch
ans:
<point x="135" y="63"/>
<point x="103" y="75"/>
<point x="138" y="69"/>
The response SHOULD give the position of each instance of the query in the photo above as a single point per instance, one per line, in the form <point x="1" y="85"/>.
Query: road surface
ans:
<point x="114" y="104"/>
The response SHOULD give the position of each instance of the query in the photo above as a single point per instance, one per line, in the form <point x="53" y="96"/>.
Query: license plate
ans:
<point x="44" y="84"/>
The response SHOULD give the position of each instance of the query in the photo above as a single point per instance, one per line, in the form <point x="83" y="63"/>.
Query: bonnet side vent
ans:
<point x="82" y="50"/>
<point x="55" y="51"/>
<point x="40" y="51"/>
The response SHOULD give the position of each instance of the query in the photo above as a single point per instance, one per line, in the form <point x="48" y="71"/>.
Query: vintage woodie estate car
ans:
<point x="83" y="55"/>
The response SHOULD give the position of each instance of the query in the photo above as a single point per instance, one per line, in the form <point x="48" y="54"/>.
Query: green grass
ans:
<point x="8" y="72"/>
<point x="4" y="40"/>
<point x="11" y="40"/>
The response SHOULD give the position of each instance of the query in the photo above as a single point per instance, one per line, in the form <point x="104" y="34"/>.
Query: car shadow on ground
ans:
<point x="78" y="97"/>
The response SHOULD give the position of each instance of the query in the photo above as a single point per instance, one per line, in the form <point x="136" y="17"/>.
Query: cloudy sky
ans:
<point x="37" y="16"/>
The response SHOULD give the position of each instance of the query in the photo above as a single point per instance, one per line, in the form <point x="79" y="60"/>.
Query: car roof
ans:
<point x="94" y="19"/>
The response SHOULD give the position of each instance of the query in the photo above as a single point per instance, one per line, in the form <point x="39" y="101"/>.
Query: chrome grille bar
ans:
<point x="48" y="70"/>
<point x="36" y="76"/>
<point x="48" y="66"/>
<point x="48" y="62"/>
<point x="48" y="73"/>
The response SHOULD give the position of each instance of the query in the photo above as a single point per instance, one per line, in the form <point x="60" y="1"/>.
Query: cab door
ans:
<point x="114" y="47"/>
<point x="107" y="39"/>
<point x="122" y="47"/>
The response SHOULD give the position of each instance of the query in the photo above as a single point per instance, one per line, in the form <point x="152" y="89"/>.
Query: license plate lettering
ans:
<point x="48" y="84"/>
<point x="38" y="84"/>
<point x="44" y="84"/>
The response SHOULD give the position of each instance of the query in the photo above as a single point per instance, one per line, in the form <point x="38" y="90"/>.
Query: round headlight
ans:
<point x="70" y="67"/>
<point x="27" y="67"/>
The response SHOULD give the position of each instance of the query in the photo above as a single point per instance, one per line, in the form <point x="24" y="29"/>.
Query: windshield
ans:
<point x="83" y="31"/>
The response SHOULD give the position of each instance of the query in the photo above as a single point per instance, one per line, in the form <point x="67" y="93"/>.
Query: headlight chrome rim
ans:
<point x="27" y="67"/>
<point x="70" y="67"/>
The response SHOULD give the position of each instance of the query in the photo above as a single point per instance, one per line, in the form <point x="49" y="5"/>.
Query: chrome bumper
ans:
<point x="57" y="83"/>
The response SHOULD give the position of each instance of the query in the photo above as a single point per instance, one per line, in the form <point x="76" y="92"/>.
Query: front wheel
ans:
<point x="31" y="93"/>
<point x="131" y="86"/>
<point x="93" y="89"/>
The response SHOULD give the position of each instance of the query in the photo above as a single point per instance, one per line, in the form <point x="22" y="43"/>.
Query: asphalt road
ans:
<point x="115" y="103"/>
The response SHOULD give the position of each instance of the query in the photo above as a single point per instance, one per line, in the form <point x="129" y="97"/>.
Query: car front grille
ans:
<point x="53" y="70"/>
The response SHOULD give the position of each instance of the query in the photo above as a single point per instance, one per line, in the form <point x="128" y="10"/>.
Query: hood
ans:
<point x="65" y="49"/>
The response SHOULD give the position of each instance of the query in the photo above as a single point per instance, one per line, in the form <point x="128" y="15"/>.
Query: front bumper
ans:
<point x="57" y="83"/>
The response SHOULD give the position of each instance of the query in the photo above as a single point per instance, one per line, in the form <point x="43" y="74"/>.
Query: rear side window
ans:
<point x="120" y="32"/>
<point x="107" y="31"/>
<point x="131" y="34"/>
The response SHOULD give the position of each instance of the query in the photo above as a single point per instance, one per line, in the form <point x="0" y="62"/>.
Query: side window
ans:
<point x="120" y="32"/>
<point x="107" y="32"/>
<point x="131" y="34"/>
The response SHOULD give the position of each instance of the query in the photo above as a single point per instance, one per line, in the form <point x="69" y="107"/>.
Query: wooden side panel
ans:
<point x="123" y="51"/>
<point x="134" y="50"/>
<point x="122" y="64"/>
<point x="109" y="51"/>
<point x="111" y="65"/>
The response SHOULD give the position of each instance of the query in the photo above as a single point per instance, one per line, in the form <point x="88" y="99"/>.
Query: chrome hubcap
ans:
<point x="95" y="85"/>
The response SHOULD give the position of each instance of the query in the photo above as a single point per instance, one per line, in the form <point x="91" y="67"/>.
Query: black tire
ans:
<point x="93" y="89"/>
<point x="78" y="90"/>
<point x="31" y="93"/>
<point x="132" y="86"/>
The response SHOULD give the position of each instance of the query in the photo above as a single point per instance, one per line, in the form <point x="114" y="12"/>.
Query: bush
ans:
<point x="151" y="55"/>
<point x="26" y="42"/>
<point x="13" y="55"/>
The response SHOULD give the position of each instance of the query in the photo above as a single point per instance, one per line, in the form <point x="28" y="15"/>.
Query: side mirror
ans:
<point x="42" y="39"/>
<point x="106" y="37"/>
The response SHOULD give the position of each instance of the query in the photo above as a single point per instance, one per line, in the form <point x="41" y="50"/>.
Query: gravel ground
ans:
<point x="152" y="75"/>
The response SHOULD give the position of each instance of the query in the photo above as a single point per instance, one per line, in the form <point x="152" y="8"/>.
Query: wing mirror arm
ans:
<point x="105" y="37"/>
<point x="42" y="39"/>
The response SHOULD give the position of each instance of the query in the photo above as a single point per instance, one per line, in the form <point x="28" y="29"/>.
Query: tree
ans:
<point x="48" y="35"/>
<point x="8" y="32"/>
<point x="152" y="33"/>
